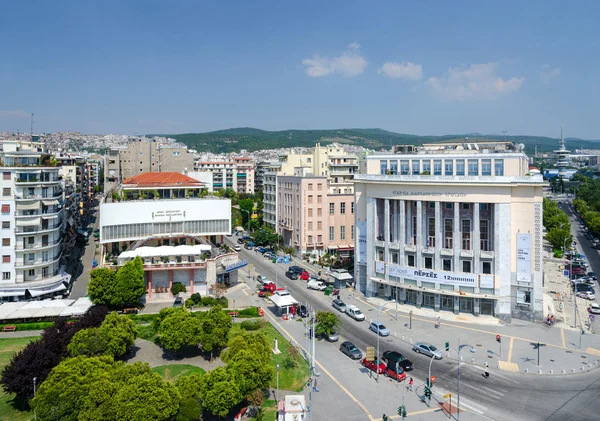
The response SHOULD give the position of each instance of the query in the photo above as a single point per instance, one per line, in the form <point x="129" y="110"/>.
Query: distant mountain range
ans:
<point x="233" y="140"/>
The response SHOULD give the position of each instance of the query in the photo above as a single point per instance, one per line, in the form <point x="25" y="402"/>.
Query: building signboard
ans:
<point x="524" y="257"/>
<point x="361" y="227"/>
<point x="236" y="265"/>
<point x="486" y="281"/>
<point x="451" y="278"/>
<point x="379" y="267"/>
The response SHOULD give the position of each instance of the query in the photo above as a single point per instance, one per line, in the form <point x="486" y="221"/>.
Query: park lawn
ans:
<point x="270" y="410"/>
<point x="289" y="379"/>
<point x="146" y="332"/>
<point x="172" y="372"/>
<point x="8" y="347"/>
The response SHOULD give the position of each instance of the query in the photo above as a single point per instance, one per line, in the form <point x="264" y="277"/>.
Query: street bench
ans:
<point x="233" y="313"/>
<point x="9" y="328"/>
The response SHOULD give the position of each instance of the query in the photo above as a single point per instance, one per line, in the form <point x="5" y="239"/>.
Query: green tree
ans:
<point x="250" y="372"/>
<point x="327" y="323"/>
<point x="102" y="281"/>
<point x="246" y="210"/>
<point x="189" y="410"/>
<point x="129" y="284"/>
<point x="220" y="393"/>
<point x="163" y="314"/>
<point x="557" y="237"/>
<point x="215" y="329"/>
<point x="190" y="386"/>
<point x="258" y="343"/>
<point x="114" y="337"/>
<point x="180" y="329"/>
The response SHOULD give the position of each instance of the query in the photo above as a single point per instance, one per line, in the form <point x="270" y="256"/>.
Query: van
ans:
<point x="316" y="284"/>
<point x="355" y="313"/>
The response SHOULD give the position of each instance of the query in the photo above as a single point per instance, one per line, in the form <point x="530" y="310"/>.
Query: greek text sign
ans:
<point x="427" y="193"/>
<point x="464" y="279"/>
<point x="361" y="227"/>
<point x="523" y="257"/>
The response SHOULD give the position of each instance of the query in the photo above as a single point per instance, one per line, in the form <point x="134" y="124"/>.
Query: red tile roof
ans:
<point x="162" y="179"/>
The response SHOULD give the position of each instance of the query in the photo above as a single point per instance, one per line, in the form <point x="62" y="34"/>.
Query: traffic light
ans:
<point x="447" y="346"/>
<point x="498" y="339"/>
<point x="427" y="392"/>
<point x="402" y="411"/>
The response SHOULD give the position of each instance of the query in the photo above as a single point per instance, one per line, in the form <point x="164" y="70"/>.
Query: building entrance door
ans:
<point x="428" y="300"/>
<point x="466" y="305"/>
<point x="447" y="303"/>
<point x="411" y="297"/>
<point x="486" y="307"/>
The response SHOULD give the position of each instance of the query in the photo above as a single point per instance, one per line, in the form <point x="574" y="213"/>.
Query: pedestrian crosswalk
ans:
<point x="506" y="366"/>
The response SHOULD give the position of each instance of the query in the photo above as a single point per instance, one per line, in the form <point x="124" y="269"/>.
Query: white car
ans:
<point x="314" y="284"/>
<point x="588" y="295"/>
<point x="594" y="308"/>
<point x="237" y="247"/>
<point x="355" y="313"/>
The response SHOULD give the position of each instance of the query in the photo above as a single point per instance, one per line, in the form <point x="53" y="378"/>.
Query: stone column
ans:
<point x="170" y="282"/>
<point x="437" y="260"/>
<point x="456" y="237"/>
<point x="386" y="234"/>
<point x="371" y="235"/>
<point x="402" y="226"/>
<point x="476" y="306"/>
<point x="192" y="280"/>
<point x="438" y="300"/>
<point x="149" y="285"/>
<point x="419" y="299"/>
<point x="476" y="243"/>
<point x="420" y="242"/>
<point x="408" y="221"/>
<point x="456" y="305"/>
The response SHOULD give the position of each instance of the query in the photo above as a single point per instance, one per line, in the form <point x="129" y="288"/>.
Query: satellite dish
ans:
<point x="521" y="146"/>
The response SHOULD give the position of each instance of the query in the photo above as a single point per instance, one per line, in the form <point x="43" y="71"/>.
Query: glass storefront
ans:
<point x="411" y="297"/>
<point x="447" y="302"/>
<point x="486" y="307"/>
<point x="466" y="305"/>
<point x="428" y="300"/>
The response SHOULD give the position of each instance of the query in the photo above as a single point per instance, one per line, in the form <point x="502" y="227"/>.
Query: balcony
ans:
<point x="25" y="264"/>
<point x="53" y="210"/>
<point x="21" y="230"/>
<point x="37" y="245"/>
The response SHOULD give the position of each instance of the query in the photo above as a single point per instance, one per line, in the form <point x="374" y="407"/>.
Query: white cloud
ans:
<point x="477" y="82"/>
<point x="407" y="70"/>
<point x="15" y="113"/>
<point x="349" y="63"/>
<point x="548" y="73"/>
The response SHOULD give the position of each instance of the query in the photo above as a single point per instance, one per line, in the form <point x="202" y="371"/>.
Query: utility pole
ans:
<point x="31" y="128"/>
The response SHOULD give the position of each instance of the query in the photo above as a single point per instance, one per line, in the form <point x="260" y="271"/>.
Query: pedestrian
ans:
<point x="486" y="374"/>
<point x="315" y="388"/>
<point x="437" y="324"/>
<point x="551" y="320"/>
<point x="410" y="384"/>
<point x="384" y="418"/>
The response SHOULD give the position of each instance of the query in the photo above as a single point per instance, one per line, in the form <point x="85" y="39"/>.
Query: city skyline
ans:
<point x="427" y="69"/>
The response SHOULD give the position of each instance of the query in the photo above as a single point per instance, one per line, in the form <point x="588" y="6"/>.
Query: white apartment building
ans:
<point x="237" y="174"/>
<point x="33" y="223"/>
<point x="452" y="227"/>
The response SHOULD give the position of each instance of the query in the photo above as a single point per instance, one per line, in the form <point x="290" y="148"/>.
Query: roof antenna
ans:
<point x="31" y="133"/>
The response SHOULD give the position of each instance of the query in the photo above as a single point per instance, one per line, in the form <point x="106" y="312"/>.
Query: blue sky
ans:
<point x="436" y="67"/>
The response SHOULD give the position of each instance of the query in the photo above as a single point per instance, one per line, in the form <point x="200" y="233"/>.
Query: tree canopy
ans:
<point x="327" y="323"/>
<point x="121" y="289"/>
<point x="180" y="328"/>
<point x="215" y="328"/>
<point x="113" y="337"/>
<point x="558" y="227"/>
<point x="220" y="392"/>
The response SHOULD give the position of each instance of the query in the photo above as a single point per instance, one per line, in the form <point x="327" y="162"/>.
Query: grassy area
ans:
<point x="145" y="331"/>
<point x="8" y="347"/>
<point x="172" y="372"/>
<point x="289" y="379"/>
<point x="29" y="326"/>
<point x="270" y="410"/>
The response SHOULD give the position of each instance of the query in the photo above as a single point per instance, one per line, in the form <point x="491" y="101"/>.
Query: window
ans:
<point x="351" y="207"/>
<point x="6" y="176"/>
<point x="486" y="167"/>
<point x="380" y="255"/>
<point x="343" y="232"/>
<point x="6" y="191"/>
<point x="319" y="225"/>
<point x="448" y="205"/>
<point x="483" y="206"/>
<point x="448" y="164"/>
<point x="319" y="186"/>
<point x="352" y="231"/>
<point x="310" y="239"/>
<point x="395" y="258"/>
<point x="6" y="242"/>
<point x="45" y="272"/>
<point x="176" y="153"/>
<point x="310" y="186"/>
<point x="437" y="167"/>
<point x="473" y="167"/>
<point x="310" y="225"/>
<point x="310" y="199"/>
<point x="430" y="232"/>
<point x="411" y="260"/>
<point x="466" y="234"/>
<point x="416" y="167"/>
<point x="5" y="225"/>
<point x="31" y="272"/>
<point x="331" y="208"/>
<point x="383" y="166"/>
<point x="429" y="263"/>
<point x="331" y="233"/>
<point x="484" y="234"/>
<point x="466" y="266"/>
<point x="431" y="205"/>
<point x="448" y="233"/>
<point x="310" y="212"/>
<point x="319" y="212"/>
<point x="404" y="167"/>
<point x="523" y="297"/>
<point x="460" y="167"/>
<point x="498" y="167"/>
<point x="5" y="276"/>
<point x="5" y="209"/>
<point x="427" y="166"/>
<point x="447" y="265"/>
<point x="6" y="258"/>
<point x="486" y="267"/>
<point x="343" y="208"/>
<point x="394" y="167"/>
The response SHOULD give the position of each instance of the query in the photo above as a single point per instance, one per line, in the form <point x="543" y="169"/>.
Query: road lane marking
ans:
<point x="244" y="291"/>
<point x="593" y="351"/>
<point x="510" y="348"/>
<point x="341" y="386"/>
<point x="411" y="414"/>
<point x="562" y="336"/>
<point x="465" y="403"/>
<point x="507" y="366"/>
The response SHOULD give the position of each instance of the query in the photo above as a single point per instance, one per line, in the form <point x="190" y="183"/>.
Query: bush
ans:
<point x="248" y="312"/>
<point x="189" y="303"/>
<point x="196" y="297"/>
<point x="208" y="301"/>
<point x="223" y="302"/>
<point x="289" y="362"/>
<point x="558" y="253"/>
<point x="29" y="326"/>
<point x="251" y="325"/>
<point x="177" y="288"/>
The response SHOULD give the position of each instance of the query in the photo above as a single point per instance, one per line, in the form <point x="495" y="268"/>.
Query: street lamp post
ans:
<point x="378" y="335"/>
<point x="34" y="411"/>
<point x="277" y="390"/>
<point x="234" y="310"/>
<point x="458" y="397"/>
<point x="248" y="212"/>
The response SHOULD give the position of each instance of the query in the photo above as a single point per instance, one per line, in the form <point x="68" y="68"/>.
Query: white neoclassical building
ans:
<point x="451" y="226"/>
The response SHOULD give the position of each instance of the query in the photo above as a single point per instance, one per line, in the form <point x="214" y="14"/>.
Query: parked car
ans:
<point x="379" y="328"/>
<point x="374" y="365"/>
<point x="237" y="247"/>
<point x="247" y="246"/>
<point x="314" y="284"/>
<point x="355" y="313"/>
<point x="588" y="295"/>
<point x="305" y="276"/>
<point x="302" y="311"/>
<point x="394" y="371"/>
<point x="427" y="349"/>
<point x="296" y="269"/>
<point x="268" y="255"/>
<point x="178" y="302"/>
<point x="593" y="276"/>
<point x="351" y="350"/>
<point x="240" y="241"/>
<point x="339" y="305"/>
<point x="292" y="275"/>
<point x="331" y="337"/>
<point x="594" y="308"/>
<point x="396" y="357"/>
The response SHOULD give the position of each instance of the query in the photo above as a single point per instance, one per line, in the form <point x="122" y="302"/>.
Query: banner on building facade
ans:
<point x="379" y="267"/>
<point x="426" y="275"/>
<point x="524" y="257"/>
<point x="361" y="235"/>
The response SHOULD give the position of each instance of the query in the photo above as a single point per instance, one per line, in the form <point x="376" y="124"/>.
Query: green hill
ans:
<point x="235" y="139"/>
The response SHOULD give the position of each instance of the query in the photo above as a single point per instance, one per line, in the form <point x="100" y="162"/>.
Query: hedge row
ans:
<point x="29" y="326"/>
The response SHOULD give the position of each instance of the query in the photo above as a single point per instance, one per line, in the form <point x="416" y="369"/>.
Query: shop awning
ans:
<point x="12" y="292"/>
<point x="332" y="247"/>
<point x="28" y="222"/>
<point x="29" y="206"/>
<point x="52" y="202"/>
<point x="47" y="290"/>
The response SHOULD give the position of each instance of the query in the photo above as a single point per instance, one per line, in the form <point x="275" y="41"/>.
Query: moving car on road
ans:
<point x="355" y="313"/>
<point x="237" y="247"/>
<point x="427" y="349"/>
<point x="314" y="284"/>
<point x="351" y="350"/>
<point x="374" y="365"/>
<point x="397" y="358"/>
<point x="296" y="269"/>
<point x="339" y="305"/>
<point x="292" y="275"/>
<point x="379" y="328"/>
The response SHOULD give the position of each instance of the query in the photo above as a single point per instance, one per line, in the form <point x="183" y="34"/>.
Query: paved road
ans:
<point x="82" y="275"/>
<point x="504" y="396"/>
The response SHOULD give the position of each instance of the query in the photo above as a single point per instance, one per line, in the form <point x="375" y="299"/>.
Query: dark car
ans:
<point x="593" y="276"/>
<point x="396" y="357"/>
<point x="351" y="350"/>
<point x="240" y="241"/>
<point x="302" y="311"/>
<point x="296" y="269"/>
<point x="291" y="275"/>
<point x="178" y="302"/>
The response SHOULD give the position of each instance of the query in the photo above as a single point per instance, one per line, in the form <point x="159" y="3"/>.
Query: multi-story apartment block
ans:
<point x="452" y="227"/>
<point x="33" y="223"/>
<point x="237" y="174"/>
<point x="262" y="168"/>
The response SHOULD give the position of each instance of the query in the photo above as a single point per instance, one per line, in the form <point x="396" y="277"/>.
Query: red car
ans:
<point x="305" y="276"/>
<point x="374" y="365"/>
<point x="394" y="371"/>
